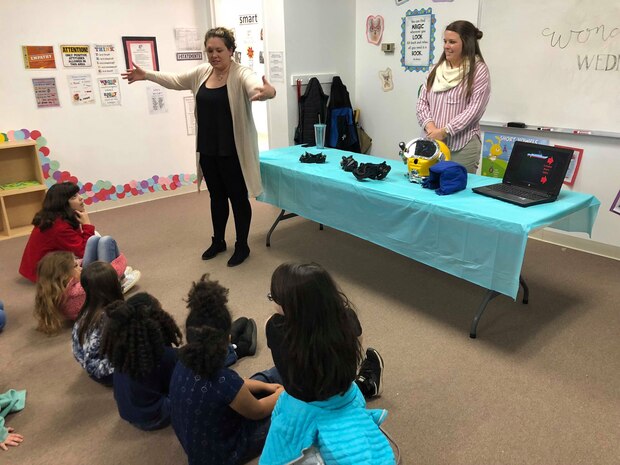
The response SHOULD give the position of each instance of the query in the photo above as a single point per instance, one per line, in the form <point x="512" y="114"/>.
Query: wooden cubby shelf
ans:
<point x="19" y="162"/>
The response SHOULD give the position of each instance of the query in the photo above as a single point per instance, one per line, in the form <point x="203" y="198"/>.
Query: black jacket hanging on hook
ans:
<point x="341" y="131"/>
<point x="312" y="104"/>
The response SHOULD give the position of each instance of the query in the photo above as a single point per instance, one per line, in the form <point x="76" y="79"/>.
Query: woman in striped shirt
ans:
<point x="456" y="94"/>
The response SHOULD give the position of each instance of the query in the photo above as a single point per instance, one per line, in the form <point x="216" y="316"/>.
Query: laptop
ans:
<point x="534" y="175"/>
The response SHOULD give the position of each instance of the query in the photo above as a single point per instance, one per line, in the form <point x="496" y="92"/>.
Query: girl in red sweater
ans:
<point x="64" y="225"/>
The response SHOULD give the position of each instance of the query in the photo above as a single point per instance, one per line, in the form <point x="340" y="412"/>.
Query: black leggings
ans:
<point x="225" y="182"/>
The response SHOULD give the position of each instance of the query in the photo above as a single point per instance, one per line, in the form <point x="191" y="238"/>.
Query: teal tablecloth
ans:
<point x="465" y="234"/>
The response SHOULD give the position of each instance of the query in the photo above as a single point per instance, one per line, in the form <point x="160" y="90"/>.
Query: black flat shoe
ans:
<point x="372" y="171"/>
<point x="216" y="247"/>
<point x="348" y="163"/>
<point x="241" y="253"/>
<point x="313" y="158"/>
<point x="246" y="344"/>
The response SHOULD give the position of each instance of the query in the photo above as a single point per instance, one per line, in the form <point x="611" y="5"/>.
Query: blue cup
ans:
<point x="319" y="135"/>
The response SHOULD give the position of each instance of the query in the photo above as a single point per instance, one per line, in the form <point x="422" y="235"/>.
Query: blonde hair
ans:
<point x="54" y="272"/>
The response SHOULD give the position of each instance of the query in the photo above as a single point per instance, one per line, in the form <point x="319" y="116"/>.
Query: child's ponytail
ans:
<point x="208" y="327"/>
<point x="135" y="334"/>
<point x="206" y="350"/>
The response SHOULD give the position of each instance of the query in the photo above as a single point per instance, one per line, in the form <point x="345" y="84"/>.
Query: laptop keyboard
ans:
<point x="518" y="191"/>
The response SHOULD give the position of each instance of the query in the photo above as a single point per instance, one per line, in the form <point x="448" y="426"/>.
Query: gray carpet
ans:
<point x="540" y="385"/>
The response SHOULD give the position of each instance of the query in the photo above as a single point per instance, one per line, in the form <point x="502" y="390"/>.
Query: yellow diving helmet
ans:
<point x="420" y="154"/>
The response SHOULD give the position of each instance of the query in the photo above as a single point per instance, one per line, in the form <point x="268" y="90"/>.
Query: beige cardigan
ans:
<point x="241" y="84"/>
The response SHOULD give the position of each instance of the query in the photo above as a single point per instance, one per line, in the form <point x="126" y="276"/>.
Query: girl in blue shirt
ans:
<point x="219" y="418"/>
<point x="138" y="339"/>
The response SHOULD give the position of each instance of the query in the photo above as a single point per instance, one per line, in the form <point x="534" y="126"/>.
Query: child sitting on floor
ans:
<point x="63" y="224"/>
<point x="11" y="401"/>
<point x="59" y="295"/>
<point x="102" y="287"/>
<point x="137" y="340"/>
<point x="216" y="414"/>
<point x="316" y="349"/>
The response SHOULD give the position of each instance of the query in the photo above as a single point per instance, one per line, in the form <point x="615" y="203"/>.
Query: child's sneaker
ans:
<point x="246" y="343"/>
<point x="130" y="280"/>
<point x="237" y="328"/>
<point x="370" y="377"/>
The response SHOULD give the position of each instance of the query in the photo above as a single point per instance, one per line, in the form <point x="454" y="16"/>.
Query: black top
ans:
<point x="275" y="331"/>
<point x="215" y="126"/>
<point x="140" y="400"/>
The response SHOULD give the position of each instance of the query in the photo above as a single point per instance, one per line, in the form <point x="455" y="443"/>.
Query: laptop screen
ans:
<point x="536" y="166"/>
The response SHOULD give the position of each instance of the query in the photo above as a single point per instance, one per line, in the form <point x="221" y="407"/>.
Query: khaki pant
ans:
<point x="468" y="156"/>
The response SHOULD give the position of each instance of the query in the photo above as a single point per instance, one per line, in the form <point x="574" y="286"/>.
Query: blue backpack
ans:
<point x="341" y="130"/>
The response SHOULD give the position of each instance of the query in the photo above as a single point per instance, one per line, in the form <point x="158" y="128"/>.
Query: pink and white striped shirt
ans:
<point x="451" y="110"/>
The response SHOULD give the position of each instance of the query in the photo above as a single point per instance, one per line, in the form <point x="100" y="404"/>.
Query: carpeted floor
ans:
<point x="540" y="385"/>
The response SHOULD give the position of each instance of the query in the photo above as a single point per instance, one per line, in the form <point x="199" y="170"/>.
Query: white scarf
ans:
<point x="447" y="77"/>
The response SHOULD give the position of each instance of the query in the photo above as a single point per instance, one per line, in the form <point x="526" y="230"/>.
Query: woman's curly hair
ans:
<point x="135" y="334"/>
<point x="208" y="327"/>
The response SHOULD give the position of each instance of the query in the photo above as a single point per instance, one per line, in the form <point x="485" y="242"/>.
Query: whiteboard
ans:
<point x="553" y="63"/>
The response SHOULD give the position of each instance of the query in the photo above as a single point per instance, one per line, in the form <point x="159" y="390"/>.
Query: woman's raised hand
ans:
<point x="135" y="74"/>
<point x="266" y="92"/>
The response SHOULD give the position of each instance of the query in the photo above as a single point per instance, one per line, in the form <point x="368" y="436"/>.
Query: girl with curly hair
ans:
<point x="137" y="340"/>
<point x="219" y="418"/>
<point x="102" y="287"/>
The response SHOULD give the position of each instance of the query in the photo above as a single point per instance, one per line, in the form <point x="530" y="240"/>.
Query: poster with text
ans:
<point x="189" y="44"/>
<point x="109" y="91"/>
<point x="75" y="56"/>
<point x="190" y="116"/>
<point x="573" y="167"/>
<point x="496" y="150"/>
<point x="38" y="56"/>
<point x="105" y="58"/>
<point x="157" y="100"/>
<point x="417" y="43"/>
<point x="46" y="92"/>
<point x="81" y="89"/>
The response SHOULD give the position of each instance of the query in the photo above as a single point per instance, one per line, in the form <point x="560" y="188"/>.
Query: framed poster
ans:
<point x="418" y="40"/>
<point x="496" y="150"/>
<point x="573" y="167"/>
<point x="142" y="51"/>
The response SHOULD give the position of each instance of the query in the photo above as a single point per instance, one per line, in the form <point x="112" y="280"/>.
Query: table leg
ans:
<point x="490" y="295"/>
<point x="282" y="216"/>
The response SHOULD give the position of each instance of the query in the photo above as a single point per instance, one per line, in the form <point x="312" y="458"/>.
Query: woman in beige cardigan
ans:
<point x="227" y="142"/>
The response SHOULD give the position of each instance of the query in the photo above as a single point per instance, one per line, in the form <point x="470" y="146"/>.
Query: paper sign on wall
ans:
<point x="81" y="89"/>
<point x="75" y="56"/>
<point x="46" y="92"/>
<point x="109" y="91"/>
<point x="105" y="58"/>
<point x="38" y="56"/>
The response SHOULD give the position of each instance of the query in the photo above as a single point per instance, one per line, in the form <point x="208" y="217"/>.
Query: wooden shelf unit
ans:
<point x="19" y="162"/>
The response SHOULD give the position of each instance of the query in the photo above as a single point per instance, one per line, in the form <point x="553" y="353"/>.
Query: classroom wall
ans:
<point x="389" y="117"/>
<point x="105" y="146"/>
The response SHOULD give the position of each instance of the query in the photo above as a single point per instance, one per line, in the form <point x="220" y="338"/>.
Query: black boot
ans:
<point x="242" y="251"/>
<point x="216" y="247"/>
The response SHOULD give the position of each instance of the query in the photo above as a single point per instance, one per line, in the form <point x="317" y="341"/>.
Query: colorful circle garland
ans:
<point x="98" y="191"/>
